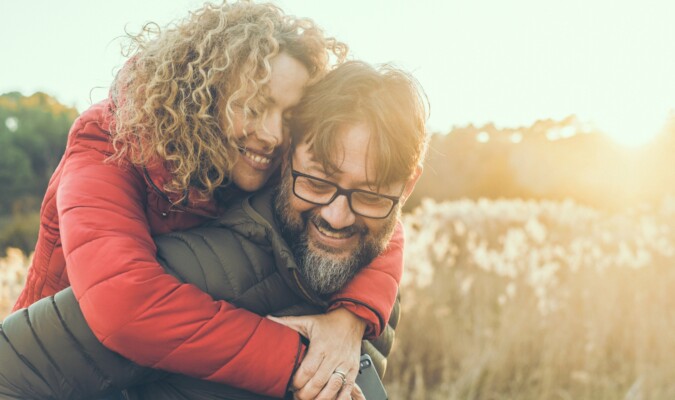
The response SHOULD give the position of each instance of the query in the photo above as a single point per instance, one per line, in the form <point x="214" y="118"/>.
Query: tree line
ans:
<point x="548" y="160"/>
<point x="551" y="159"/>
<point x="33" y="134"/>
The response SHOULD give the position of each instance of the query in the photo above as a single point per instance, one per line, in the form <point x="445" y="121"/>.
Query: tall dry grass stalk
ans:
<point x="13" y="270"/>
<point x="536" y="300"/>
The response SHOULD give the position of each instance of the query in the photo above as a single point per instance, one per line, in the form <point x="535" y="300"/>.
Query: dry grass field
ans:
<point x="536" y="300"/>
<point x="515" y="299"/>
<point x="12" y="276"/>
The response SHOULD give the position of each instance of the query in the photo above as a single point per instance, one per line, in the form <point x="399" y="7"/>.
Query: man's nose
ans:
<point x="273" y="132"/>
<point x="338" y="214"/>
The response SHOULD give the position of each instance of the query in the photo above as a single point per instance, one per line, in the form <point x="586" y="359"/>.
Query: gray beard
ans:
<point x="324" y="274"/>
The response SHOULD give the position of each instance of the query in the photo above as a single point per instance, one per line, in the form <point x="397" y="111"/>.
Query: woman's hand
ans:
<point x="331" y="364"/>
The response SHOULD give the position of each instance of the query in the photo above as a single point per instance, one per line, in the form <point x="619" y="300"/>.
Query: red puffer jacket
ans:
<point x="97" y="222"/>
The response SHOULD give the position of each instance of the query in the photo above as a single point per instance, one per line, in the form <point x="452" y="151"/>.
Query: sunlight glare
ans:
<point x="634" y="130"/>
<point x="516" y="137"/>
<point x="483" y="137"/>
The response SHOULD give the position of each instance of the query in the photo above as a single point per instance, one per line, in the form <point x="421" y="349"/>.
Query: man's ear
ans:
<point x="410" y="185"/>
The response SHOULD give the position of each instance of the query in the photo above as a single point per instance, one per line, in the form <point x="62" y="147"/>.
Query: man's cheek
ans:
<point x="301" y="206"/>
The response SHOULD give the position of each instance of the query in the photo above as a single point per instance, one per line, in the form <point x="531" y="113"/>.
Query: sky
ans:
<point x="510" y="62"/>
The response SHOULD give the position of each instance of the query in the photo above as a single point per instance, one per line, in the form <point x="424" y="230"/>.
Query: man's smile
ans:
<point x="341" y="240"/>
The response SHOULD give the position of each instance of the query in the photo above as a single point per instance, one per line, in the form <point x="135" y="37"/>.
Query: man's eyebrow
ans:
<point x="316" y="167"/>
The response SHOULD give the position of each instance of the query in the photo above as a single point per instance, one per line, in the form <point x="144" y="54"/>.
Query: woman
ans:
<point x="196" y="115"/>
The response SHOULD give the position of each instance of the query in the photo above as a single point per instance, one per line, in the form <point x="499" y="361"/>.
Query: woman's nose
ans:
<point x="273" y="131"/>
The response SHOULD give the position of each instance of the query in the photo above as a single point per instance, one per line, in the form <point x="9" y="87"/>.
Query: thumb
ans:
<point x="298" y="324"/>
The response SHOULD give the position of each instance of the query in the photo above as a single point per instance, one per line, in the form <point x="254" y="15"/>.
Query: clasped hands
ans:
<point x="331" y="364"/>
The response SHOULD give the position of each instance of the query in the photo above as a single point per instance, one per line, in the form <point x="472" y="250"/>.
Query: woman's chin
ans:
<point x="250" y="185"/>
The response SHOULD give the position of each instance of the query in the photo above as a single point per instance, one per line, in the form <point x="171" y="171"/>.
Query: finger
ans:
<point x="357" y="393"/>
<point x="350" y="381"/>
<point x="321" y="378"/>
<point x="331" y="389"/>
<point x="308" y="368"/>
<point x="346" y="391"/>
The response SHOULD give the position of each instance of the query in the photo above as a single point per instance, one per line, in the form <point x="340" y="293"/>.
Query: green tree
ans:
<point x="16" y="174"/>
<point x="33" y="134"/>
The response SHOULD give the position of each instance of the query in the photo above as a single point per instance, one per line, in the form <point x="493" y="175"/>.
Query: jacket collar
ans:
<point x="157" y="176"/>
<point x="259" y="207"/>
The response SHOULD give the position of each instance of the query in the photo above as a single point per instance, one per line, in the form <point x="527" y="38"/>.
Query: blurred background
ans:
<point x="540" y="253"/>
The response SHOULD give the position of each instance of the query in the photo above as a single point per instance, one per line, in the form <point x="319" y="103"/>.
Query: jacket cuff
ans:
<point x="302" y="350"/>
<point x="374" y="322"/>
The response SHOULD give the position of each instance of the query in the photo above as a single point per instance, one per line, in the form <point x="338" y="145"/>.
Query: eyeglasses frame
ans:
<point x="346" y="192"/>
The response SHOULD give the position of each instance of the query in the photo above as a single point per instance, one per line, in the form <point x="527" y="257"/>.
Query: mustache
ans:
<point x="323" y="224"/>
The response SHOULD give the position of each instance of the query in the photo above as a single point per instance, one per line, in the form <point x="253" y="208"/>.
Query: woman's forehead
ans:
<point x="287" y="82"/>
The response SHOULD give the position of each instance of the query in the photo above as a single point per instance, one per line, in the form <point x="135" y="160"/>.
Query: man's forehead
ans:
<point x="340" y="169"/>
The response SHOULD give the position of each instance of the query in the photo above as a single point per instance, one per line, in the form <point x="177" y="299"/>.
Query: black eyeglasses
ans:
<point x="322" y="192"/>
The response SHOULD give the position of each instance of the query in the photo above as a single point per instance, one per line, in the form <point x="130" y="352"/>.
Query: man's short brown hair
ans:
<point x="388" y="100"/>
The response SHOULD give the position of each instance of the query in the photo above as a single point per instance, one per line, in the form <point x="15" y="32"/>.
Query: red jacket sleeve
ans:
<point x="138" y="310"/>
<point x="372" y="292"/>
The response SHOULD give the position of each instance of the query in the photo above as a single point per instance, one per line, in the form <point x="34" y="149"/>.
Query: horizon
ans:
<point x="479" y="62"/>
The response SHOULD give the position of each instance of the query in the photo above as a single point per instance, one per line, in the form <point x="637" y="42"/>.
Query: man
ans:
<point x="357" y="144"/>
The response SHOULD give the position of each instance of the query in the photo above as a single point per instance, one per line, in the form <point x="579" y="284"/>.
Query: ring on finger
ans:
<point x="342" y="375"/>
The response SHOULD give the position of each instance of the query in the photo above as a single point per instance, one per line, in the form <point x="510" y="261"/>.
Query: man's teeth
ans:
<point x="336" y="235"/>
<point x="257" y="158"/>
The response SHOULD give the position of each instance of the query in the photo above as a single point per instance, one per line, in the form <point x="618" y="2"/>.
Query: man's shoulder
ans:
<point x="253" y="208"/>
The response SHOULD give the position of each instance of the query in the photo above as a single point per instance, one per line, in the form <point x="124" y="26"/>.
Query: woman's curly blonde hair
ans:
<point x="171" y="96"/>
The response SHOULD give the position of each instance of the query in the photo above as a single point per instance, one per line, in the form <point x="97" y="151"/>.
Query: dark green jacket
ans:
<point x="47" y="351"/>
